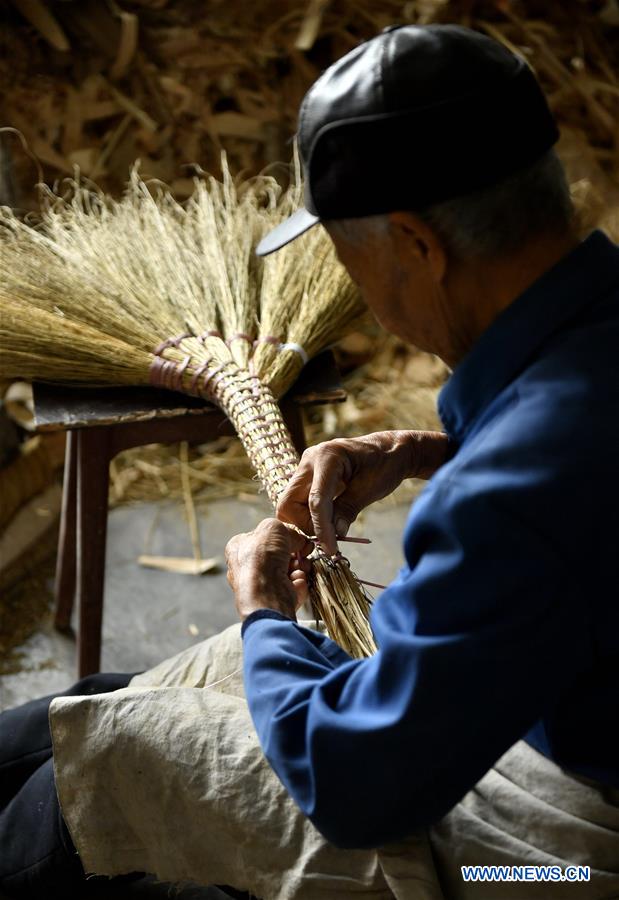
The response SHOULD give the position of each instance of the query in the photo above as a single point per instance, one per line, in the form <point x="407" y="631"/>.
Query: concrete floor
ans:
<point x="150" y="615"/>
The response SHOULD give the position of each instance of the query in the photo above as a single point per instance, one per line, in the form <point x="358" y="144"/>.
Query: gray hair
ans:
<point x="493" y="221"/>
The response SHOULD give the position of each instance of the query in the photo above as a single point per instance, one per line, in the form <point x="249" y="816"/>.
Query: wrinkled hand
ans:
<point x="268" y="568"/>
<point x="335" y="480"/>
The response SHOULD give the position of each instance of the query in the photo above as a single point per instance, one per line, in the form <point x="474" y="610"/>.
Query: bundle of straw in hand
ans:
<point x="146" y="290"/>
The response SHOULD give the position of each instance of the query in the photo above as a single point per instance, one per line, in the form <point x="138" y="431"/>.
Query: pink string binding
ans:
<point x="171" y="342"/>
<point x="240" y="336"/>
<point x="168" y="373"/>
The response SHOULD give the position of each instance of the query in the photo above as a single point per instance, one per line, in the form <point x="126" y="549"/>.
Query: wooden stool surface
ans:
<point x="59" y="407"/>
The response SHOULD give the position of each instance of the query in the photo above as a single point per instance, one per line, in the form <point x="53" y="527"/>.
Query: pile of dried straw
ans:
<point x="174" y="82"/>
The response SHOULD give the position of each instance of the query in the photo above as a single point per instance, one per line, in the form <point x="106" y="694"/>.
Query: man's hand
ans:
<point x="337" y="479"/>
<point x="268" y="567"/>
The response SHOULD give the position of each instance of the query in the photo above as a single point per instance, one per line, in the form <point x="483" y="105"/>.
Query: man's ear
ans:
<point x="414" y="237"/>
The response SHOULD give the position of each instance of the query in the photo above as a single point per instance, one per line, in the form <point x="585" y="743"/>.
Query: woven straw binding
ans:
<point x="257" y="418"/>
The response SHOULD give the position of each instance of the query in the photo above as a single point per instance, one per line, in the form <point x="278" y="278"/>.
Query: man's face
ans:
<point x="397" y="282"/>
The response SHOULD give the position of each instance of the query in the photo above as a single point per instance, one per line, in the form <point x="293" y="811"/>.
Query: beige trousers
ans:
<point x="527" y="812"/>
<point x="167" y="777"/>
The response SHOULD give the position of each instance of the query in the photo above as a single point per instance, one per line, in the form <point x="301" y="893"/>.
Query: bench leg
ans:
<point x="93" y="460"/>
<point x="64" y="588"/>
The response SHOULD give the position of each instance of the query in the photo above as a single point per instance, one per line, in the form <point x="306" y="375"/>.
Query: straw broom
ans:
<point x="144" y="290"/>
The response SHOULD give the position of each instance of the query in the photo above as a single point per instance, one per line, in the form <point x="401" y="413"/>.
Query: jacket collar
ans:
<point x="502" y="351"/>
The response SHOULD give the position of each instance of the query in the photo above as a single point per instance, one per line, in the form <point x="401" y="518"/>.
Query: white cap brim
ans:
<point x="297" y="224"/>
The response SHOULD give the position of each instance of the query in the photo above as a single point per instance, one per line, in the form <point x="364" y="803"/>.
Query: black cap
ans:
<point x="415" y="116"/>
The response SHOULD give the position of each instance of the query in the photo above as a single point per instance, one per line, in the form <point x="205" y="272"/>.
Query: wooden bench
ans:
<point x="101" y="423"/>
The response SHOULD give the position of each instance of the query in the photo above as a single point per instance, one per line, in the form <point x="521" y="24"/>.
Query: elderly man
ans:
<point x="484" y="731"/>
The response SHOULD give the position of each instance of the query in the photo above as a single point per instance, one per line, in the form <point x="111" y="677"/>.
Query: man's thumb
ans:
<point x="345" y="511"/>
<point x="341" y="526"/>
<point x="298" y="541"/>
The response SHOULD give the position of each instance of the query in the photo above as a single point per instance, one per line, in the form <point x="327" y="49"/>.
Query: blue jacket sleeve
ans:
<point x="475" y="637"/>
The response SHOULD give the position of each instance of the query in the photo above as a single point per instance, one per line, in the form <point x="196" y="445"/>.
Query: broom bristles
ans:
<point x="146" y="266"/>
<point x="145" y="289"/>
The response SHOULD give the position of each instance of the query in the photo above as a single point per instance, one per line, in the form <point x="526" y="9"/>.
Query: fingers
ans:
<point x="299" y="562"/>
<point x="335" y="480"/>
<point x="298" y="579"/>
<point x="292" y="505"/>
<point x="308" y="500"/>
<point x="281" y="533"/>
<point x="267" y="568"/>
<point x="298" y="574"/>
<point x="274" y="536"/>
<point x="328" y="482"/>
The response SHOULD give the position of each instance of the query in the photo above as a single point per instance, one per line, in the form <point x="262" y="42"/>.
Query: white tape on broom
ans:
<point x="296" y="348"/>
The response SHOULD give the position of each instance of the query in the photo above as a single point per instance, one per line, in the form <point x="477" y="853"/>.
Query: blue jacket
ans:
<point x="504" y="622"/>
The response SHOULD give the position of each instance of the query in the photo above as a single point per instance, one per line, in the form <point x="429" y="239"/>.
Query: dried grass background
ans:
<point x="98" y="84"/>
<point x="172" y="82"/>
